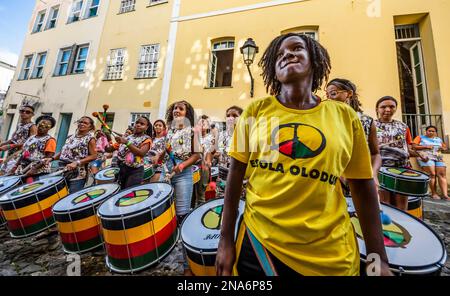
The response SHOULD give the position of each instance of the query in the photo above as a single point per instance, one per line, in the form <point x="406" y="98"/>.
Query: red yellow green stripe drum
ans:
<point x="139" y="226"/>
<point x="200" y="233"/>
<point x="77" y="220"/>
<point x="28" y="208"/>
<point x="403" y="181"/>
<point x="7" y="184"/>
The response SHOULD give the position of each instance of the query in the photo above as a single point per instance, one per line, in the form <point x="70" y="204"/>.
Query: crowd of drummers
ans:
<point x="294" y="67"/>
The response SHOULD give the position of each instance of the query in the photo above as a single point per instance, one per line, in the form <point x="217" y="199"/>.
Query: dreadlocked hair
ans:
<point x="318" y="56"/>
<point x="347" y="85"/>
<point x="190" y="113"/>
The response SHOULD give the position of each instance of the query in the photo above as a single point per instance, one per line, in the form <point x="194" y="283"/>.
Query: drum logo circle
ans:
<point x="134" y="197"/>
<point x="394" y="235"/>
<point x="298" y="141"/>
<point x="27" y="189"/>
<point x="403" y="172"/>
<point x="88" y="196"/>
<point x="110" y="173"/>
<point x="212" y="219"/>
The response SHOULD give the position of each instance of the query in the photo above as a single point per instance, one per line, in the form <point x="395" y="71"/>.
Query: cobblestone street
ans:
<point x="42" y="254"/>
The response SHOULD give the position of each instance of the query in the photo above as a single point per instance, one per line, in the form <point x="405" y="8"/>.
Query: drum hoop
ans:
<point x="98" y="203"/>
<point x="108" y="264"/>
<point x="133" y="214"/>
<point x="441" y="262"/>
<point x="35" y="192"/>
<point x="199" y="251"/>
<point x="15" y="185"/>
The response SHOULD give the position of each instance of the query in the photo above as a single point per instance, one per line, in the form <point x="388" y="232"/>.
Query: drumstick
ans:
<point x="103" y="123"/>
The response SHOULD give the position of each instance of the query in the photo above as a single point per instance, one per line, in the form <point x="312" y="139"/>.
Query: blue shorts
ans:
<point x="431" y="163"/>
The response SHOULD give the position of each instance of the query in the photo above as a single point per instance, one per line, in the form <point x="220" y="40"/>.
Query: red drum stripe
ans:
<point x="30" y="220"/>
<point x="143" y="247"/>
<point x="82" y="236"/>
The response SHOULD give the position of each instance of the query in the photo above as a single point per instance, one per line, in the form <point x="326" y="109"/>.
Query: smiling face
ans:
<point x="386" y="110"/>
<point x="159" y="127"/>
<point x="85" y="124"/>
<point x="43" y="127"/>
<point x="336" y="94"/>
<point x="292" y="62"/>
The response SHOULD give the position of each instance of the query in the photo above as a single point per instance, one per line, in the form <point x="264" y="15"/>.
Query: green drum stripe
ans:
<point x="83" y="246"/>
<point x="137" y="262"/>
<point x="34" y="228"/>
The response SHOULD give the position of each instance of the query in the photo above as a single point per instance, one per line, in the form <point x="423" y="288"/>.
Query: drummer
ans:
<point x="25" y="129"/>
<point x="37" y="148"/>
<point x="158" y="147"/>
<point x="131" y="152"/>
<point x="207" y="144"/>
<point x="77" y="153"/>
<point x="394" y="138"/>
<point x="232" y="114"/>
<point x="295" y="219"/>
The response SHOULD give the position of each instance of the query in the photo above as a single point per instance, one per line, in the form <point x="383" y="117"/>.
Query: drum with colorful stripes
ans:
<point x="415" y="206"/>
<point x="403" y="181"/>
<point x="28" y="208"/>
<point x="7" y="184"/>
<point x="412" y="247"/>
<point x="200" y="233"/>
<point x="139" y="226"/>
<point x="77" y="220"/>
<point x="148" y="172"/>
<point x="108" y="175"/>
<point x="195" y="174"/>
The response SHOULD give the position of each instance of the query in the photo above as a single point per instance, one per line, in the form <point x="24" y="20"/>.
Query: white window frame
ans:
<point x="78" y="60"/>
<point x="39" y="22"/>
<point x="28" y="68"/>
<point x="115" y="64"/>
<point x="73" y="12"/>
<point x="135" y="115"/>
<point x="127" y="6"/>
<point x="90" y="6"/>
<point x="222" y="45"/>
<point x="59" y="62"/>
<point x="52" y="17"/>
<point x="148" y="61"/>
<point x="38" y="66"/>
<point x="310" y="33"/>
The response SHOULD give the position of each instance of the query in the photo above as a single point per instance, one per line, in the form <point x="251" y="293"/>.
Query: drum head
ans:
<point x="85" y="198"/>
<point x="135" y="200"/>
<point x="410" y="244"/>
<point x="7" y="183"/>
<point x="108" y="174"/>
<point x="35" y="188"/>
<point x="214" y="171"/>
<point x="201" y="228"/>
<point x="404" y="173"/>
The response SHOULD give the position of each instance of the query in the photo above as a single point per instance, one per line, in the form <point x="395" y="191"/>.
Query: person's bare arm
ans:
<point x="226" y="252"/>
<point x="365" y="199"/>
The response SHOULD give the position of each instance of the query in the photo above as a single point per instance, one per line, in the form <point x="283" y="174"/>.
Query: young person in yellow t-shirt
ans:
<point x="293" y="148"/>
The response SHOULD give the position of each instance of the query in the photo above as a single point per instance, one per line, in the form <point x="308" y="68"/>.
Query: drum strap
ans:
<point x="262" y="255"/>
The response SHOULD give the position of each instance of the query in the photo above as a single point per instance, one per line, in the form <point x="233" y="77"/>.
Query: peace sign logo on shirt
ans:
<point x="298" y="141"/>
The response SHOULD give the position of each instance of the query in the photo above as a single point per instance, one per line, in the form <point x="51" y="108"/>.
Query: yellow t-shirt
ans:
<point x="295" y="206"/>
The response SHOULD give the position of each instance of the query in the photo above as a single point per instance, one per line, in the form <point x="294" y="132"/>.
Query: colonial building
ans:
<point x="57" y="62"/>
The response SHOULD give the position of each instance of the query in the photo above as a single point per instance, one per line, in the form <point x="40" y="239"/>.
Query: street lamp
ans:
<point x="249" y="50"/>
